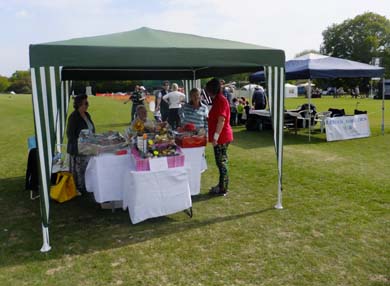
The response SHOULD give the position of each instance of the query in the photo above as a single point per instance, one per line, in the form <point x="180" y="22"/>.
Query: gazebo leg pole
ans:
<point x="46" y="244"/>
<point x="279" y="97"/>
<point x="309" y="98"/>
<point x="383" y="106"/>
<point x="279" y="203"/>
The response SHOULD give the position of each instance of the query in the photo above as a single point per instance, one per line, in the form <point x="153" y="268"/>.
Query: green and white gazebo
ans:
<point x="139" y="54"/>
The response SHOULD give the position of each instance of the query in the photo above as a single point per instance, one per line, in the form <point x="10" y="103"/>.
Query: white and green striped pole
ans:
<point x="275" y="84"/>
<point x="50" y="101"/>
<point x="383" y="106"/>
<point x="40" y="131"/>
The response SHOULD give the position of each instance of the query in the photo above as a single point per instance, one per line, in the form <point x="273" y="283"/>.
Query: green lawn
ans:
<point x="334" y="228"/>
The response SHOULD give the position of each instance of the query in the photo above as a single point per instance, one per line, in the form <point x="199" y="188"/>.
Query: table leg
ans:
<point x="189" y="212"/>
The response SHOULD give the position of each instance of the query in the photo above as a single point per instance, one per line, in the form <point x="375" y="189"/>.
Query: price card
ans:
<point x="158" y="164"/>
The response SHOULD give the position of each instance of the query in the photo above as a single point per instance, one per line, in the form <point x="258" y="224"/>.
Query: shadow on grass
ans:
<point x="261" y="139"/>
<point x="80" y="226"/>
<point x="203" y="197"/>
<point x="12" y="184"/>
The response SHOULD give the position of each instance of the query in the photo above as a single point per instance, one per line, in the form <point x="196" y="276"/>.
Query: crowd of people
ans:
<point x="240" y="106"/>
<point x="213" y="108"/>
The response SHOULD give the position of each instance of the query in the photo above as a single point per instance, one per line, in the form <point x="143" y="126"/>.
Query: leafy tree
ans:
<point x="115" y="86"/>
<point x="238" y="78"/>
<point x="241" y="77"/>
<point x="103" y="86"/>
<point x="20" y="75"/>
<point x="359" y="39"/>
<point x="4" y="83"/>
<point x="20" y="82"/>
<point x="305" y="52"/>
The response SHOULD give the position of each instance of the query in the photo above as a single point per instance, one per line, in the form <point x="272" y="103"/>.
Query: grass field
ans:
<point x="334" y="228"/>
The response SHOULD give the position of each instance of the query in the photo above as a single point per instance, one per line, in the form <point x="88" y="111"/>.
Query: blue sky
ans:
<point x="289" y="25"/>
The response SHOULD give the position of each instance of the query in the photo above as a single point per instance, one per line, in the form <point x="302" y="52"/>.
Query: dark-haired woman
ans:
<point x="78" y="120"/>
<point x="220" y="134"/>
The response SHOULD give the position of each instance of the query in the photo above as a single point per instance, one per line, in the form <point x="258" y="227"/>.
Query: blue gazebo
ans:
<point x="315" y="66"/>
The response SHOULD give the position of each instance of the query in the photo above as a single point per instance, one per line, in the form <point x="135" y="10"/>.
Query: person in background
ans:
<point x="357" y="91"/>
<point x="195" y="111"/>
<point x="137" y="97"/>
<point x="240" y="111"/>
<point x="174" y="99"/>
<point x="220" y="134"/>
<point x="157" y="115"/>
<point x="229" y="92"/>
<point x="259" y="100"/>
<point x="247" y="108"/>
<point x="316" y="92"/>
<point x="233" y="112"/>
<point x="222" y="83"/>
<point x="225" y="90"/>
<point x="339" y="92"/>
<point x="161" y="105"/>
<point x="78" y="120"/>
<point x="142" y="115"/>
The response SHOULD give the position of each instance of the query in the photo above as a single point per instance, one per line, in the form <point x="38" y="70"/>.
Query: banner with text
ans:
<point x="347" y="127"/>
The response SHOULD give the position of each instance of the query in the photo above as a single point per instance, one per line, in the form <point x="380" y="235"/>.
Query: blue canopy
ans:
<point x="312" y="66"/>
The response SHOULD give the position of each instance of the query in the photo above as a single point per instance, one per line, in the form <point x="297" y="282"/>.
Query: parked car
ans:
<point x="329" y="91"/>
<point x="387" y="90"/>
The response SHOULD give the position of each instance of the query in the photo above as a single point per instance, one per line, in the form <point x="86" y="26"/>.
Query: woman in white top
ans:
<point x="174" y="99"/>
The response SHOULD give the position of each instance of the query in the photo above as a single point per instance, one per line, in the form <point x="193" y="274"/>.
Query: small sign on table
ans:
<point x="347" y="127"/>
<point x="158" y="164"/>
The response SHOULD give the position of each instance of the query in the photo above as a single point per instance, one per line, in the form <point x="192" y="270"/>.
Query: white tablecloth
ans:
<point x="195" y="161"/>
<point x="104" y="173"/>
<point x="104" y="176"/>
<point x="146" y="194"/>
<point x="149" y="194"/>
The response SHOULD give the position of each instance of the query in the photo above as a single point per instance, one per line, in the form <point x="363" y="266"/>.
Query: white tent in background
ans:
<point x="247" y="91"/>
<point x="304" y="87"/>
<point x="250" y="86"/>
<point x="306" y="84"/>
<point x="290" y="90"/>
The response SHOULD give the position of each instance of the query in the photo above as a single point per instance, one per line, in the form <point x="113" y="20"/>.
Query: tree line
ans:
<point x="361" y="39"/>
<point x="364" y="39"/>
<point x="19" y="82"/>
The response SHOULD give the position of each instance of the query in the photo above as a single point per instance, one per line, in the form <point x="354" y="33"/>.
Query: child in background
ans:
<point x="240" y="111"/>
<point x="233" y="112"/>
<point x="247" y="107"/>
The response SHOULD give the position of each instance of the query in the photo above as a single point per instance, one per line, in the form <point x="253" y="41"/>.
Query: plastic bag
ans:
<point x="90" y="144"/>
<point x="64" y="189"/>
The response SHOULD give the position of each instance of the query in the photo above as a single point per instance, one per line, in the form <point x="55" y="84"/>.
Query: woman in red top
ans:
<point x="220" y="134"/>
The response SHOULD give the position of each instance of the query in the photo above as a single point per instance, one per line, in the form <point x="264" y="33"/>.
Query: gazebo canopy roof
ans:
<point x="146" y="53"/>
<point x="313" y="66"/>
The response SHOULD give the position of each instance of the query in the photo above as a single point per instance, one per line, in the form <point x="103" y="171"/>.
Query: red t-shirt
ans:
<point x="220" y="107"/>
